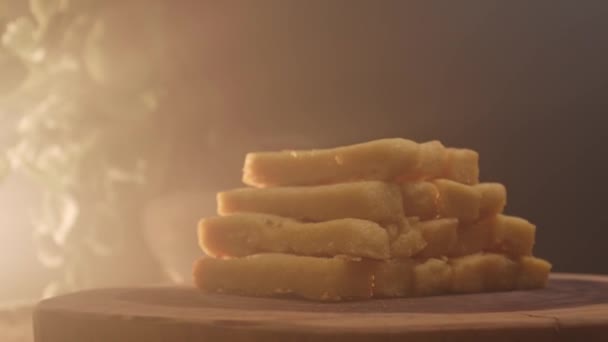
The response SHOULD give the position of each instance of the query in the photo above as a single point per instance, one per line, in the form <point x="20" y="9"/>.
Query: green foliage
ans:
<point x="88" y="124"/>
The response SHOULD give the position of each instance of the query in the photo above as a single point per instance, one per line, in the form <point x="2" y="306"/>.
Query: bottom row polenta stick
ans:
<point x="271" y="274"/>
<point x="332" y="279"/>
<point x="480" y="272"/>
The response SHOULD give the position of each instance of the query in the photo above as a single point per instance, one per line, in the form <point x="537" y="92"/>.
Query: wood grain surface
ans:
<point x="572" y="308"/>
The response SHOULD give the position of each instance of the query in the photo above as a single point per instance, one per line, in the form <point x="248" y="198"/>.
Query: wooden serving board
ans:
<point x="572" y="308"/>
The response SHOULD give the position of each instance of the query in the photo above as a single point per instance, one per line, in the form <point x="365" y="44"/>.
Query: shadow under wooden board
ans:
<point x="572" y="308"/>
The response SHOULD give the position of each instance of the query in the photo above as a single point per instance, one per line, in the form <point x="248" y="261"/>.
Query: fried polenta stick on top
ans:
<point x="384" y="159"/>
<point x="393" y="159"/>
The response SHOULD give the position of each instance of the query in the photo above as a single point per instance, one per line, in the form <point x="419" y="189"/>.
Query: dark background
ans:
<point x="525" y="83"/>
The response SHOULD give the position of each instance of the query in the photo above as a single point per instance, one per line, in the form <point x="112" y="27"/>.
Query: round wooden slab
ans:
<point x="572" y="308"/>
